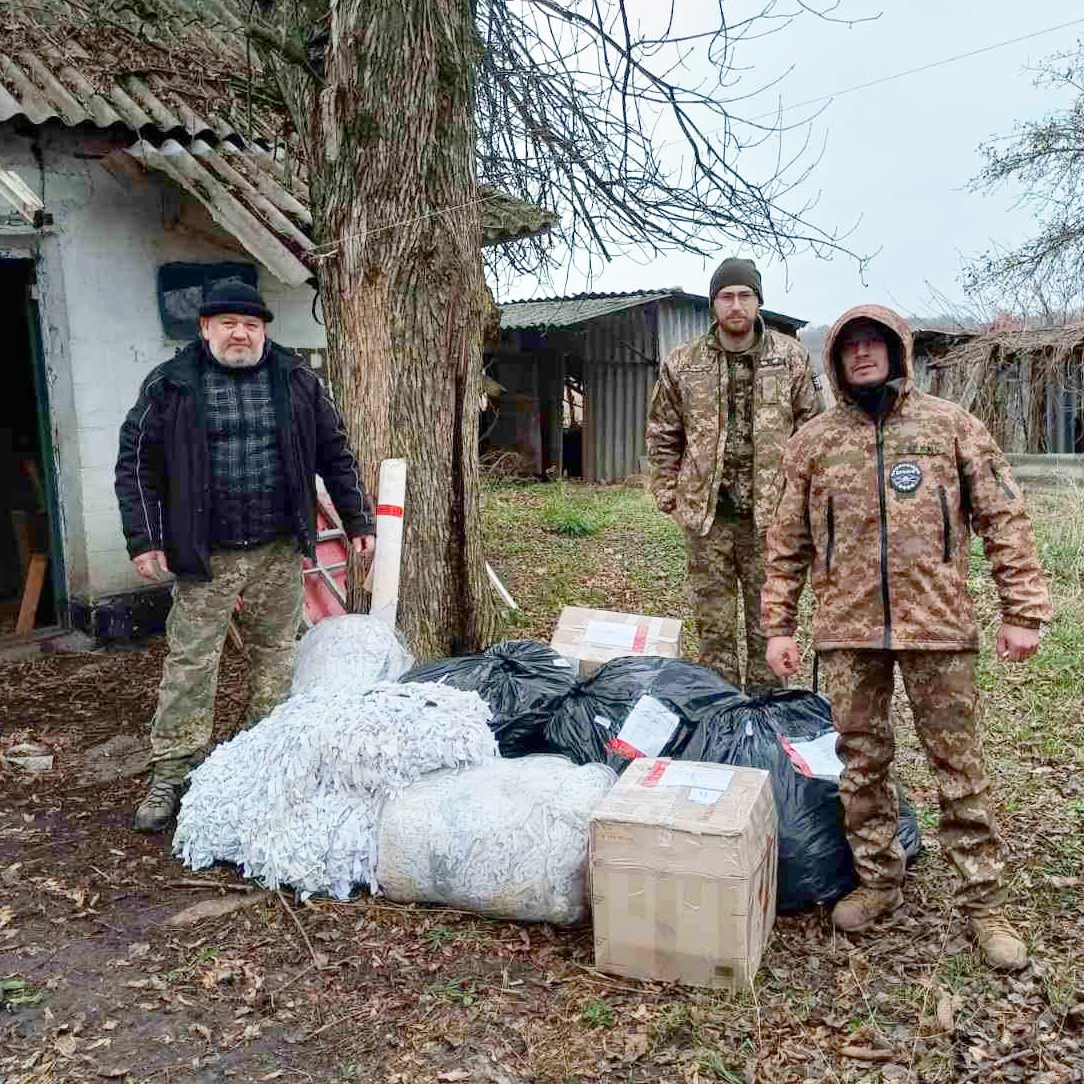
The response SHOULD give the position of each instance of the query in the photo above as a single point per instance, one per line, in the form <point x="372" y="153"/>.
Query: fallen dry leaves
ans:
<point x="411" y="996"/>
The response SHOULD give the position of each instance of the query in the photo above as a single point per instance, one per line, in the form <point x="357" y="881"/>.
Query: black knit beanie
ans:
<point x="736" y="272"/>
<point x="235" y="297"/>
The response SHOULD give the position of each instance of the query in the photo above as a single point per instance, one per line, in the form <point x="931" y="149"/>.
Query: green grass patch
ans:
<point x="1059" y="532"/>
<point x="208" y="952"/>
<point x="574" y="510"/>
<point x="16" y="992"/>
<point x="568" y="544"/>
<point x="713" y="1064"/>
<point x="454" y="992"/>
<point x="438" y="936"/>
<point x="597" y="1015"/>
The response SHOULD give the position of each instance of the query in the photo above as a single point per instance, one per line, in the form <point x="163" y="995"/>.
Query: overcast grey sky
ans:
<point x="899" y="155"/>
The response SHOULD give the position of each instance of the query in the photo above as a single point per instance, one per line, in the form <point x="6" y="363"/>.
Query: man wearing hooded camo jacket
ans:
<point x="879" y="498"/>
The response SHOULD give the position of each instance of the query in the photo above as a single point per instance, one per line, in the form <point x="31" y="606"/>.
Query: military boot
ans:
<point x="1001" y="945"/>
<point x="163" y="799"/>
<point x="863" y="906"/>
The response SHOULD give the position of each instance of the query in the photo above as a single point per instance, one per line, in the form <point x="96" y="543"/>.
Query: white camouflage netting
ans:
<point x="295" y="800"/>
<point x="508" y="837"/>
<point x="348" y="650"/>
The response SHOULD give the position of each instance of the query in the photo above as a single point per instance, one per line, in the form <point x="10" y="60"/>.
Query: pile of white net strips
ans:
<point x="358" y="780"/>
<point x="296" y="799"/>
<point x="508" y="837"/>
<point x="347" y="651"/>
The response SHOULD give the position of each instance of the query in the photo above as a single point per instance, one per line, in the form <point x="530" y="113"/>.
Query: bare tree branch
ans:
<point x="1047" y="159"/>
<point x="630" y="133"/>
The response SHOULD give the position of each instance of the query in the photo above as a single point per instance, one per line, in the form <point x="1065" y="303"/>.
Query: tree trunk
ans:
<point x="394" y="195"/>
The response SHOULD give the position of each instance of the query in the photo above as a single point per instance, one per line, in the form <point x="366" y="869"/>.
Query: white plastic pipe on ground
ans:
<point x="391" y="493"/>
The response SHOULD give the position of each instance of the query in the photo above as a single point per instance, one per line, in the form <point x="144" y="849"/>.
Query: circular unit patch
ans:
<point x="905" y="477"/>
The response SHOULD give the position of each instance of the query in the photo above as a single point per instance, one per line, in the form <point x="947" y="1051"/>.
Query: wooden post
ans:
<point x="35" y="580"/>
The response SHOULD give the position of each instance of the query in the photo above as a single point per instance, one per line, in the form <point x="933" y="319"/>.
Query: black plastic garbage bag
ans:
<point x="522" y="681"/>
<point x="607" y="718"/>
<point x="815" y="861"/>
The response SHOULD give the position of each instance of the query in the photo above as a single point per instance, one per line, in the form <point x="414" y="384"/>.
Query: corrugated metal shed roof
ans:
<point x="173" y="74"/>
<point x="559" y="312"/>
<point x="568" y="311"/>
<point x="928" y="339"/>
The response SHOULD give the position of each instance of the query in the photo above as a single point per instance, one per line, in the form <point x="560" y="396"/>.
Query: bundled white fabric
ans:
<point x="508" y="837"/>
<point x="348" y="651"/>
<point x="295" y="799"/>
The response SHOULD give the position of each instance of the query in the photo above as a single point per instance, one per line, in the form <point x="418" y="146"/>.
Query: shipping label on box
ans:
<point x="683" y="872"/>
<point x="588" y="638"/>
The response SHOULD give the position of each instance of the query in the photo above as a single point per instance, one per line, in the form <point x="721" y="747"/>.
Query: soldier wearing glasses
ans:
<point x="723" y="409"/>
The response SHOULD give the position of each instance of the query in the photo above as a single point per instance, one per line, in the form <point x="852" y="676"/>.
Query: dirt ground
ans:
<point x="108" y="972"/>
<point x="116" y="963"/>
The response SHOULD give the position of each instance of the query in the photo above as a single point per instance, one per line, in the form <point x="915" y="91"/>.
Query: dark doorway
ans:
<point x="572" y="442"/>
<point x="28" y="554"/>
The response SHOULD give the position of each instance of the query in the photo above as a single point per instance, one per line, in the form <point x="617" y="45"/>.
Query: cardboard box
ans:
<point x="588" y="638"/>
<point x="683" y="870"/>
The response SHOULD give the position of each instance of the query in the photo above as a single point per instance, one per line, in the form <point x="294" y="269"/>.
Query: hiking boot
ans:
<point x="864" y="906"/>
<point x="1001" y="945"/>
<point x="157" y="809"/>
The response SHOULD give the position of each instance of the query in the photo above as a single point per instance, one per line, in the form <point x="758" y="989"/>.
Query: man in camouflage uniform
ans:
<point x="216" y="484"/>
<point x="880" y="496"/>
<point x="723" y="409"/>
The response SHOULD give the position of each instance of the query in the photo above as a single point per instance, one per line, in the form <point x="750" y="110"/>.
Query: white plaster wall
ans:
<point x="101" y="310"/>
<point x="293" y="324"/>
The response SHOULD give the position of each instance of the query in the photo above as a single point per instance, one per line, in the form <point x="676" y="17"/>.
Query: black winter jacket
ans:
<point x="163" y="478"/>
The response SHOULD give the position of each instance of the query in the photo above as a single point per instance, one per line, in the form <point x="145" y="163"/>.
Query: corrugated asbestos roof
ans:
<point x="569" y="311"/>
<point x="507" y="219"/>
<point x="173" y="74"/>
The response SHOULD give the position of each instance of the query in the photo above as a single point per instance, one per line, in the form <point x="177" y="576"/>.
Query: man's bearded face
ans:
<point x="234" y="339"/>
<point x="736" y="309"/>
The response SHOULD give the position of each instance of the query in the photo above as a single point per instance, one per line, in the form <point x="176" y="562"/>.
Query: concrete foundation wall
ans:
<point x="1048" y="471"/>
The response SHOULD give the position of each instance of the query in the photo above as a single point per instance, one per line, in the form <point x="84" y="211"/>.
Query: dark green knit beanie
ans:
<point x="737" y="272"/>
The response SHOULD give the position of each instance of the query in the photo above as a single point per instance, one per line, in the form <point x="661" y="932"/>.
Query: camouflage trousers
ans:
<point x="945" y="700"/>
<point x="724" y="564"/>
<point x="269" y="577"/>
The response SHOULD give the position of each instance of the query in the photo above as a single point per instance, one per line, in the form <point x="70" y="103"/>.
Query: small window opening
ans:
<point x="182" y="288"/>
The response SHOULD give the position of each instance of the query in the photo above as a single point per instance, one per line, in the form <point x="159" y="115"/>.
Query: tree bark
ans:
<point x="394" y="196"/>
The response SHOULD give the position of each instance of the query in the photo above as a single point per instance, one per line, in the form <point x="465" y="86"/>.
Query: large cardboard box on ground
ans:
<point x="683" y="873"/>
<point x="588" y="638"/>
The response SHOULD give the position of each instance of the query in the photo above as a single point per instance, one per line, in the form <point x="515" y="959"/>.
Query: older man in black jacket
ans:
<point x="216" y="484"/>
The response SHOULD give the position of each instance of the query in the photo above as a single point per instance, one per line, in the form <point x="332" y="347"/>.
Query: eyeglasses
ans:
<point x="743" y="297"/>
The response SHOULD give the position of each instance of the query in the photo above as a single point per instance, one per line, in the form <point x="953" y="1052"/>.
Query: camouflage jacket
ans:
<point x="687" y="422"/>
<point x="882" y="514"/>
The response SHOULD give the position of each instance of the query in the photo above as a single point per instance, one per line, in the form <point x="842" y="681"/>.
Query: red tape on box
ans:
<point x="795" y="757"/>
<point x="623" y="749"/>
<point x="652" y="778"/>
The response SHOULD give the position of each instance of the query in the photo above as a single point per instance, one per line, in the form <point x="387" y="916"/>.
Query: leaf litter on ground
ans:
<point x="385" y="1003"/>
